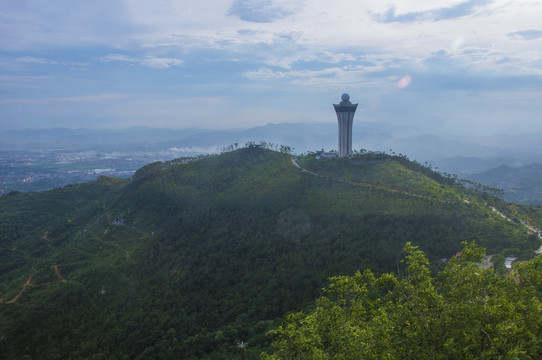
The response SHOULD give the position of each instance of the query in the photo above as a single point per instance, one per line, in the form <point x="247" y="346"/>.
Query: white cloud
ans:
<point x="306" y="31"/>
<point x="149" y="61"/>
<point x="35" y="60"/>
<point x="160" y="63"/>
<point x="260" y="11"/>
<point x="195" y="150"/>
<point x="44" y="61"/>
<point x="99" y="98"/>
<point x="330" y="77"/>
<point x="264" y="47"/>
<point x="118" y="57"/>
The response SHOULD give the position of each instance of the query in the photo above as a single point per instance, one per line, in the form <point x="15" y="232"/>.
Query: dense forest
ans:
<point x="200" y="258"/>
<point x="466" y="312"/>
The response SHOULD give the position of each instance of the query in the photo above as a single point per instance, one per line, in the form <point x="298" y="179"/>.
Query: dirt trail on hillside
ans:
<point x="25" y="285"/>
<point x="296" y="164"/>
<point x="376" y="186"/>
<point x="123" y="249"/>
<point x="58" y="274"/>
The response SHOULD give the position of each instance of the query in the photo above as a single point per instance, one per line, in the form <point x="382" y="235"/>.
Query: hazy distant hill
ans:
<point x="187" y="259"/>
<point x="300" y="136"/>
<point x="520" y="184"/>
<point x="464" y="166"/>
<point x="461" y="155"/>
<point x="88" y="139"/>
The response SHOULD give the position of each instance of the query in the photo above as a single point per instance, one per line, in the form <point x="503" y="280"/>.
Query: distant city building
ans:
<point x="508" y="261"/>
<point x="345" y="115"/>
<point x="326" y="154"/>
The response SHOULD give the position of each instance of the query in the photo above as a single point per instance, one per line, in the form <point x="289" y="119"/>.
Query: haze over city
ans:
<point x="467" y="67"/>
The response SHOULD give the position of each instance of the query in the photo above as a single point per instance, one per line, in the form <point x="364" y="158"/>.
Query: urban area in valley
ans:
<point x="42" y="170"/>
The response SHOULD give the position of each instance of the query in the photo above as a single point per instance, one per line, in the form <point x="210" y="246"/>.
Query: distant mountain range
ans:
<point x="519" y="149"/>
<point x="88" y="139"/>
<point x="465" y="156"/>
<point x="521" y="184"/>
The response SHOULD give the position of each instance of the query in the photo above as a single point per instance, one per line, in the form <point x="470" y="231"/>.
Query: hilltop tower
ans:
<point x="345" y="115"/>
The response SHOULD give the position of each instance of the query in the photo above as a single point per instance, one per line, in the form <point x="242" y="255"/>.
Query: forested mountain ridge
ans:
<point x="189" y="258"/>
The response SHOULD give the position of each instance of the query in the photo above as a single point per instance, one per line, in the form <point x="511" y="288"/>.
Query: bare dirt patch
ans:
<point x="27" y="284"/>
<point x="46" y="238"/>
<point x="58" y="274"/>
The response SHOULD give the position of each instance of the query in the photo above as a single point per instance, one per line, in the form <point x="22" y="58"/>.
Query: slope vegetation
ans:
<point x="190" y="259"/>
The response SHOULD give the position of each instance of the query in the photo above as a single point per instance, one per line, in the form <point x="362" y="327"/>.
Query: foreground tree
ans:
<point x="464" y="313"/>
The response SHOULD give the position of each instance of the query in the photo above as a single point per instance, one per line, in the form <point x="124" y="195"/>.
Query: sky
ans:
<point x="459" y="66"/>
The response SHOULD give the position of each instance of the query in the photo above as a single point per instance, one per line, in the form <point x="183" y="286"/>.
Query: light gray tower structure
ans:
<point x="345" y="115"/>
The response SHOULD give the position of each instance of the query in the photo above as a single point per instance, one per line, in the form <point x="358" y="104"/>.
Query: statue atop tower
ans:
<point x="345" y="116"/>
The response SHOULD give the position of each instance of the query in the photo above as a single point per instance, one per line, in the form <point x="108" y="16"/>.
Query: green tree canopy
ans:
<point x="463" y="313"/>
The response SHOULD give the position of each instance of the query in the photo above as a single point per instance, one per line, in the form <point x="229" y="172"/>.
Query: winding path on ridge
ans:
<point x="296" y="164"/>
<point x="56" y="268"/>
<point x="527" y="226"/>
<point x="378" y="186"/>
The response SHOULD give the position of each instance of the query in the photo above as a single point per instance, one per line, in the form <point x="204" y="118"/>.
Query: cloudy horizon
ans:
<point x="465" y="66"/>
